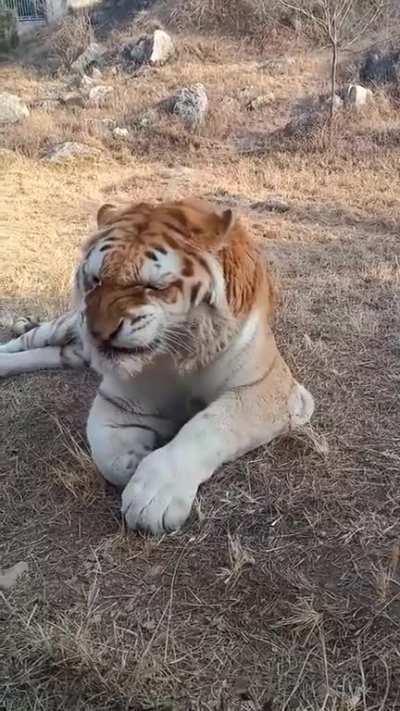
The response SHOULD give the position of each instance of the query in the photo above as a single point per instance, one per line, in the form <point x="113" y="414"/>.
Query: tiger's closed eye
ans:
<point x="154" y="287"/>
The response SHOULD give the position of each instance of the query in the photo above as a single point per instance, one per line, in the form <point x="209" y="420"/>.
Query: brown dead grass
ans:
<point x="284" y="592"/>
<point x="71" y="38"/>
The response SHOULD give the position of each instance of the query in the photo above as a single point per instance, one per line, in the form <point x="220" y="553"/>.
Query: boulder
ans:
<point x="70" y="150"/>
<point x="100" y="95"/>
<point x="357" y="96"/>
<point x="155" y="49"/>
<point x="191" y="105"/>
<point x="12" y="108"/>
<point x="163" y="48"/>
<point x="91" y="56"/>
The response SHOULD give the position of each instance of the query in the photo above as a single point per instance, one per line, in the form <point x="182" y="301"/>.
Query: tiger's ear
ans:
<point x="228" y="219"/>
<point x="106" y="215"/>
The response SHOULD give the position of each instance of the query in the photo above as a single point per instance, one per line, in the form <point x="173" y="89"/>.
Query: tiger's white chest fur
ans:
<point x="176" y="393"/>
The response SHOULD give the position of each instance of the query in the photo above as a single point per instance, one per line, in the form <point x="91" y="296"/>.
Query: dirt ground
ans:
<point x="284" y="591"/>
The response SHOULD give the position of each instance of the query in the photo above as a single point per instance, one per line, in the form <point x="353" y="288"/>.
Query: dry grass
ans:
<point x="284" y="593"/>
<point x="242" y="18"/>
<point x="71" y="38"/>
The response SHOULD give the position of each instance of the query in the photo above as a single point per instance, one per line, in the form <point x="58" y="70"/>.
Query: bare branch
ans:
<point x="306" y="13"/>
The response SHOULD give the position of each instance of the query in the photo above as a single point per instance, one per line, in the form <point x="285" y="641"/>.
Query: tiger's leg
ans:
<point x="57" y="332"/>
<point x="160" y="495"/>
<point x="53" y="344"/>
<point x="121" y="432"/>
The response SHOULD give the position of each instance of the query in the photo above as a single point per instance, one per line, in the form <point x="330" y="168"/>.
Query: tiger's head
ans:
<point x="173" y="279"/>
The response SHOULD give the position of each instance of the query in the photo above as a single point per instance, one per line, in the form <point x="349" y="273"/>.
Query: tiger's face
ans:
<point x="145" y="275"/>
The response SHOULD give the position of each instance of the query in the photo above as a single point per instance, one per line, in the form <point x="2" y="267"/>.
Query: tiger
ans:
<point x="172" y="306"/>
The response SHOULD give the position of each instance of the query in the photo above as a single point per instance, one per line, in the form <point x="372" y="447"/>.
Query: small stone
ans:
<point x="96" y="74"/>
<point x="147" y="119"/>
<point x="271" y="205"/>
<point x="121" y="133"/>
<point x="12" y="108"/>
<point x="87" y="82"/>
<point x="337" y="102"/>
<point x="278" y="66"/>
<point x="9" y="577"/>
<point x="100" y="95"/>
<point x="259" y="102"/>
<point x="103" y="127"/>
<point x="73" y="100"/>
<point x="70" y="150"/>
<point x="92" y="55"/>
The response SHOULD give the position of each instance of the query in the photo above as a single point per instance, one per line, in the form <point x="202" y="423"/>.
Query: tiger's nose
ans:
<point x="104" y="335"/>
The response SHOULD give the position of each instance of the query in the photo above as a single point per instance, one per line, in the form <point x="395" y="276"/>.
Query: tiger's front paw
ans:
<point x="159" y="497"/>
<point x="23" y="324"/>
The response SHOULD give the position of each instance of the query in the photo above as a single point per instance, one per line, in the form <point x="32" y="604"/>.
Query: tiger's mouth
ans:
<point x="110" y="351"/>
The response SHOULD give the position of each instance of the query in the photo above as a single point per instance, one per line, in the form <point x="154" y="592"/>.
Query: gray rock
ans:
<point x="70" y="150"/>
<point x="9" y="576"/>
<point x="73" y="99"/>
<point x="357" y="96"/>
<point x="86" y="82"/>
<point x="305" y="125"/>
<point x="191" y="105"/>
<point x="258" y="102"/>
<point x="100" y="95"/>
<point x="163" y="48"/>
<point x="91" y="56"/>
<point x="155" y="49"/>
<point x="121" y="133"/>
<point x="137" y="51"/>
<point x="12" y="109"/>
<point x="278" y="66"/>
<point x="338" y="102"/>
<point x="103" y="127"/>
<point x="96" y="75"/>
<point x="275" y="204"/>
<point x="147" y="120"/>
